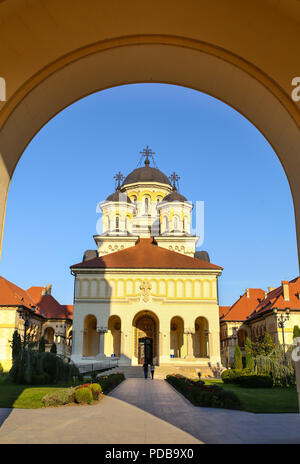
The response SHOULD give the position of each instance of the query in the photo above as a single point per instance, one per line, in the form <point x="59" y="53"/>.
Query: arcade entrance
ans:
<point x="146" y="337"/>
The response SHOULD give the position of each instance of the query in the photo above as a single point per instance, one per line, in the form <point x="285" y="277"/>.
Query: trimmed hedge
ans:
<point x="59" y="397"/>
<point x="83" y="395"/>
<point x="96" y="390"/>
<point x="246" y="378"/>
<point x="109" y="382"/>
<point x="204" y="395"/>
<point x="256" y="381"/>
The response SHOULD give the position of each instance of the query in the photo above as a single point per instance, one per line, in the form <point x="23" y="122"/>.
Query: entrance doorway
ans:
<point x="145" y="351"/>
<point x="146" y="329"/>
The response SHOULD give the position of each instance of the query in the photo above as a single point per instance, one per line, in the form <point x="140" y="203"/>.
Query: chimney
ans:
<point x="248" y="292"/>
<point x="285" y="290"/>
<point x="266" y="294"/>
<point x="270" y="289"/>
<point x="43" y="291"/>
<point x="48" y="289"/>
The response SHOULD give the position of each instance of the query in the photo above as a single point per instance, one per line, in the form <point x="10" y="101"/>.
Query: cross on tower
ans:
<point x="174" y="179"/>
<point x="148" y="153"/>
<point x="119" y="178"/>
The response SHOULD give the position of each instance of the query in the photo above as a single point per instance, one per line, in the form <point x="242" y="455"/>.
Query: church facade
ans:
<point x="145" y="293"/>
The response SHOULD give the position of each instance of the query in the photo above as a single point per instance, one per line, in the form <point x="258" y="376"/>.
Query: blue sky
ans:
<point x="221" y="158"/>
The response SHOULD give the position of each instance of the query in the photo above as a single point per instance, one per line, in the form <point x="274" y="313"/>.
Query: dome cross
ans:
<point x="147" y="153"/>
<point x="119" y="178"/>
<point x="174" y="178"/>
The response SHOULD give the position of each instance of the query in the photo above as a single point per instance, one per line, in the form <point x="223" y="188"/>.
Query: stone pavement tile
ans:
<point x="110" y="422"/>
<point x="209" y="425"/>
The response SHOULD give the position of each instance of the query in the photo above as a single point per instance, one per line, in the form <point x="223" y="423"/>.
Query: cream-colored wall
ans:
<point x="7" y="328"/>
<point x="10" y="321"/>
<point x="188" y="295"/>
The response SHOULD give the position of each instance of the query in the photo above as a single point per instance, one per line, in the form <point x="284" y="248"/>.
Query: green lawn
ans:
<point x="263" y="400"/>
<point x="24" y="396"/>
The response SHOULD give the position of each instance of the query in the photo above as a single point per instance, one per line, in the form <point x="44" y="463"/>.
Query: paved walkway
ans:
<point x="145" y="411"/>
<point x="209" y="425"/>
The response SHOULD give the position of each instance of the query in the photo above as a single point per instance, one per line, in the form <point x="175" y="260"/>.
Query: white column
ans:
<point x="101" y="331"/>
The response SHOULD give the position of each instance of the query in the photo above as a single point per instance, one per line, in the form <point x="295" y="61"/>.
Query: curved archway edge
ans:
<point x="156" y="59"/>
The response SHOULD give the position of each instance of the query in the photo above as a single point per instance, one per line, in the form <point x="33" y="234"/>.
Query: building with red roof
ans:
<point x="34" y="312"/>
<point x="257" y="312"/>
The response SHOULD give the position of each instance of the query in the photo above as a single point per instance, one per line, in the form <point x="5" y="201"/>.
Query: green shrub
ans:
<point x="255" y="381"/>
<point x="249" y="355"/>
<point x="83" y="395"/>
<point x="109" y="382"/>
<point x="31" y="364"/>
<point x="42" y="345"/>
<point x="96" y="390"/>
<point x="204" y="395"/>
<point x="230" y="375"/>
<point x="16" y="344"/>
<point x="53" y="348"/>
<point x="238" y="358"/>
<point x="59" y="397"/>
<point x="1" y="368"/>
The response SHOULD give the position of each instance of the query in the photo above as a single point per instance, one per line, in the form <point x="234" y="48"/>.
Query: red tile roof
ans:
<point x="12" y="295"/>
<point x="275" y="299"/>
<point x="223" y="310"/>
<point x="49" y="305"/>
<point x="244" y="306"/>
<point x="146" y="254"/>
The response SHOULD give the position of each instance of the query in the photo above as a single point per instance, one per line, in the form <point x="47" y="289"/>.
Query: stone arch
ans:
<point x="146" y="324"/>
<point x="91" y="338"/>
<point x="49" y="335"/>
<point x="201" y="338"/>
<point x="177" y="336"/>
<point x="212" y="63"/>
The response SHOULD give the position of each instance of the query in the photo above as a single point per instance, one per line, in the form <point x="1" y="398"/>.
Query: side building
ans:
<point x="36" y="313"/>
<point x="257" y="312"/>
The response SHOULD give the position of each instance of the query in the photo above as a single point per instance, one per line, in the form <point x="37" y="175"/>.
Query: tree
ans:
<point x="296" y="331"/>
<point x="249" y="354"/>
<point x="42" y="345"/>
<point x="53" y="348"/>
<point x="16" y="344"/>
<point x="238" y="361"/>
<point x="263" y="345"/>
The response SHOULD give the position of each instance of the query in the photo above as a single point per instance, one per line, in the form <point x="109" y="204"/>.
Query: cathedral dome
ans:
<point x="146" y="174"/>
<point x="174" y="196"/>
<point x="118" y="196"/>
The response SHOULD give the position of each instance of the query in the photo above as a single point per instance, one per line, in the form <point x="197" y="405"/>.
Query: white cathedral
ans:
<point x="145" y="293"/>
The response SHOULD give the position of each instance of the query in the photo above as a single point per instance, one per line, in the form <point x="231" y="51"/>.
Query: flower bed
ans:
<point x="200" y="394"/>
<point x="87" y="393"/>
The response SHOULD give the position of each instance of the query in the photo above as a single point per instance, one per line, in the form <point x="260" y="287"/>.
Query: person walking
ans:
<point x="145" y="366"/>
<point x="152" y="370"/>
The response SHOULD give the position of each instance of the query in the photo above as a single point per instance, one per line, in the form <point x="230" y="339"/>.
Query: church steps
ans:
<point x="162" y="371"/>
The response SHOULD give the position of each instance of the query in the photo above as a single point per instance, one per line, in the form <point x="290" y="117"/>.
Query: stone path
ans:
<point x="145" y="411"/>
<point x="208" y="424"/>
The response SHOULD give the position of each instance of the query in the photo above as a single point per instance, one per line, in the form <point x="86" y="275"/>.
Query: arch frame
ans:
<point x="281" y="128"/>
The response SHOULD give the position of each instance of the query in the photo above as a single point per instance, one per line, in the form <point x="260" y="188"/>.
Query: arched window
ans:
<point x="176" y="223"/>
<point x="166" y="225"/>
<point x="146" y="205"/>
<point x="185" y="224"/>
